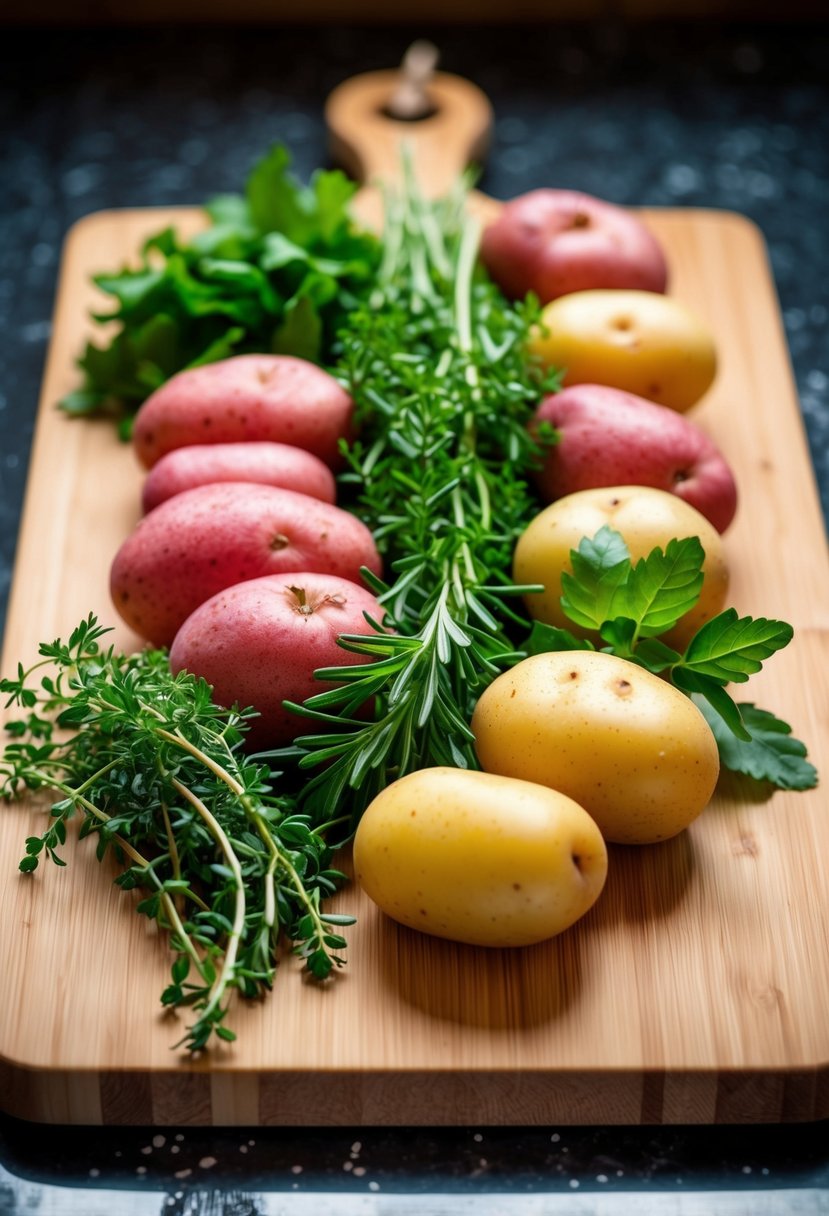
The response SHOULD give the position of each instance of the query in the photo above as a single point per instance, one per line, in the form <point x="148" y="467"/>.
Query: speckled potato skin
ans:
<point x="639" y="341"/>
<point x="646" y="518"/>
<point x="270" y="464"/>
<point x="258" y="645"/>
<point x="630" y="748"/>
<point x="608" y="438"/>
<point x="553" y="242"/>
<point x="248" y="397"/>
<point x="206" y="539"/>
<point x="478" y="858"/>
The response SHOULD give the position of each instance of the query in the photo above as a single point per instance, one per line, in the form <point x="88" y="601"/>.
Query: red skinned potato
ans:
<point x="258" y="644"/>
<point x="206" y="539"/>
<point x="247" y="398"/>
<point x="272" y="464"/>
<point x="608" y="437"/>
<point x="553" y="242"/>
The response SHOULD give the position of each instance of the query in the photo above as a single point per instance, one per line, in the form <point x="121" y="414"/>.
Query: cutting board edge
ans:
<point x="285" y="1098"/>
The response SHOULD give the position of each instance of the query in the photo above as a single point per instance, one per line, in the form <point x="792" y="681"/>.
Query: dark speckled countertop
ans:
<point x="688" y="115"/>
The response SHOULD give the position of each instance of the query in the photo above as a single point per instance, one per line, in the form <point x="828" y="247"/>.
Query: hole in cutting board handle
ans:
<point x="428" y="112"/>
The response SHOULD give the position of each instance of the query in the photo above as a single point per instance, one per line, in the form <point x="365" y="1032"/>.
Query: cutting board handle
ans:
<point x="366" y="139"/>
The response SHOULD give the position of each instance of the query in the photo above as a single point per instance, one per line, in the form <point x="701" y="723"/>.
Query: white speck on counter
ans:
<point x="42" y="254"/>
<point x="574" y="1183"/>
<point x="477" y="1137"/>
<point x="682" y="179"/>
<point x="81" y="180"/>
<point x="141" y="1169"/>
<point x="555" y="1137"/>
<point x="348" y="1165"/>
<point x="207" y="1163"/>
<point x="93" y="1173"/>
<point x="296" y="1169"/>
<point x="356" y="1147"/>
<point x="159" y="1141"/>
<point x="601" y="1177"/>
<point x="38" y="331"/>
<point x="359" y="1171"/>
<point x="374" y="1186"/>
<point x="147" y="1149"/>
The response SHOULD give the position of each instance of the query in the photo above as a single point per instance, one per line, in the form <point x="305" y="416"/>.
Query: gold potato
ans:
<point x="640" y="341"/>
<point x="630" y="748"/>
<point x="477" y="858"/>
<point x="645" y="518"/>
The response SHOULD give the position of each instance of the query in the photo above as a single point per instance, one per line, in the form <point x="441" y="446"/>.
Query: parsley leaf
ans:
<point x="278" y="270"/>
<point x="652" y="594"/>
<point x="731" y="647"/>
<point x="771" y="753"/>
<point x="600" y="566"/>
<point x="662" y="587"/>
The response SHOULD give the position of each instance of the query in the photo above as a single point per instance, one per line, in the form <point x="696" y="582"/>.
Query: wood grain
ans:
<point x="695" y="991"/>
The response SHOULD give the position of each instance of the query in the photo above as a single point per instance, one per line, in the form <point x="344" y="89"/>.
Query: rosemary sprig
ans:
<point x="155" y="769"/>
<point x="438" y="366"/>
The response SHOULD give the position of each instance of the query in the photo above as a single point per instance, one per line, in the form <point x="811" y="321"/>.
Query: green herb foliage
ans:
<point x="154" y="770"/>
<point x="437" y="363"/>
<point x="276" y="270"/>
<point x="628" y="604"/>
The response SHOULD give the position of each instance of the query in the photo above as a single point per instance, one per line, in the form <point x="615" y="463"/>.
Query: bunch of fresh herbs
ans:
<point x="437" y="363"/>
<point x="156" y="773"/>
<point x="277" y="269"/>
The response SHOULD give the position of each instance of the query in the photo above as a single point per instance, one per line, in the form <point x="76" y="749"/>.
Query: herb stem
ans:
<point x="179" y="740"/>
<point x="231" y="950"/>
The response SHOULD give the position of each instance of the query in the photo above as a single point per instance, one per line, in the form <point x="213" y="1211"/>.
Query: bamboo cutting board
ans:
<point x="696" y="990"/>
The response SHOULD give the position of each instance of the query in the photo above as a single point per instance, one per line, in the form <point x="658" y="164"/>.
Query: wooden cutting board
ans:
<point x="696" y="990"/>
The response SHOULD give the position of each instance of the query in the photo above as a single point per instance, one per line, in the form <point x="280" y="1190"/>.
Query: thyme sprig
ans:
<point x="155" y="770"/>
<point x="437" y="363"/>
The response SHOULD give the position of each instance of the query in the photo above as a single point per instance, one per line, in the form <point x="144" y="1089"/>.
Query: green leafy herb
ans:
<point x="626" y="605"/>
<point x="277" y="270"/>
<point x="155" y="771"/>
<point x="770" y="753"/>
<point x="437" y="364"/>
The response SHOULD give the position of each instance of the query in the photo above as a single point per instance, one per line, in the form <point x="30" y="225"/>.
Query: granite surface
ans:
<point x="680" y="116"/>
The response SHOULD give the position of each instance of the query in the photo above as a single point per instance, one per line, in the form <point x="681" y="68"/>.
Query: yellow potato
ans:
<point x="477" y="858"/>
<point x="627" y="746"/>
<point x="646" y="518"/>
<point x="640" y="341"/>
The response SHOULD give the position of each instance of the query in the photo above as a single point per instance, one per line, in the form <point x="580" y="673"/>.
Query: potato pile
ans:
<point x="243" y="565"/>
